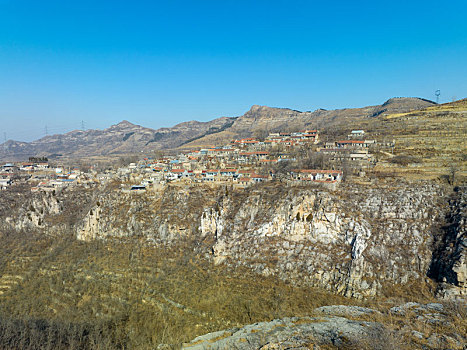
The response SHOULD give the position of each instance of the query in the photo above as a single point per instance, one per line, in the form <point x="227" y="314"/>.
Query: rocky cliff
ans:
<point x="357" y="241"/>
<point x="449" y="262"/>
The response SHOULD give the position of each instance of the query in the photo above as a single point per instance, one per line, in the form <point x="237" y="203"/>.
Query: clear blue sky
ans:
<point x="157" y="63"/>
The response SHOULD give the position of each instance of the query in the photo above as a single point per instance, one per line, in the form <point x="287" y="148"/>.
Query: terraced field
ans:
<point x="433" y="141"/>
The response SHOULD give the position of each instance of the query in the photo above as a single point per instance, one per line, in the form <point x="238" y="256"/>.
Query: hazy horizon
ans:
<point x="157" y="65"/>
<point x="51" y="132"/>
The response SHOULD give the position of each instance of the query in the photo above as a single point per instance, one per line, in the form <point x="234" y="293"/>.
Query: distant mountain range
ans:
<point x="127" y="138"/>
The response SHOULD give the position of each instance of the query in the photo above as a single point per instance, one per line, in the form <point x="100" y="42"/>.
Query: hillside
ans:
<point x="127" y="138"/>
<point x="260" y="120"/>
<point x="122" y="138"/>
<point x="428" y="143"/>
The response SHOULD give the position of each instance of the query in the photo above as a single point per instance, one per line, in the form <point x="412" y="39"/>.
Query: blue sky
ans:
<point x="158" y="63"/>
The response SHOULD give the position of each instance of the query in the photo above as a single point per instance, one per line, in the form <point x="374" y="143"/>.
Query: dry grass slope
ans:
<point x="141" y="295"/>
<point x="433" y="141"/>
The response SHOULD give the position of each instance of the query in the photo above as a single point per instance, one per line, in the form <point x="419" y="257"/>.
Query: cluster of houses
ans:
<point x="242" y="162"/>
<point x="355" y="148"/>
<point x="294" y="138"/>
<point x="212" y="175"/>
<point x="41" y="176"/>
<point x="317" y="175"/>
<point x="24" y="166"/>
<point x="6" y="174"/>
<point x="287" y="139"/>
<point x="161" y="172"/>
<point x="56" y="179"/>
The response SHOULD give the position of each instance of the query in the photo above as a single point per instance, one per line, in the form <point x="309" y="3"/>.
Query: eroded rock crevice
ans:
<point x="449" y="260"/>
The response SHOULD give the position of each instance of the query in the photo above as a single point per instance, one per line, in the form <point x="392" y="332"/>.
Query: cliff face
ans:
<point x="356" y="241"/>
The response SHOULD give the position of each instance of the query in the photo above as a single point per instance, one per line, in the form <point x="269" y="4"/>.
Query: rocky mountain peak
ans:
<point x="191" y="134"/>
<point x="408" y="101"/>
<point x="255" y="108"/>
<point x="402" y="105"/>
<point x="125" y="124"/>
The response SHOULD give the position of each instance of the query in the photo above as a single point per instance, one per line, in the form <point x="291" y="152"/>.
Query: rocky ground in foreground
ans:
<point x="408" y="326"/>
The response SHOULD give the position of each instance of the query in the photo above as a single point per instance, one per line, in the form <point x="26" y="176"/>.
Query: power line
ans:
<point x="33" y="133"/>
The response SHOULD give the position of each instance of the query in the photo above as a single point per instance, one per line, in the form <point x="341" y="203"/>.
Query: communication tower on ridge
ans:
<point x="437" y="93"/>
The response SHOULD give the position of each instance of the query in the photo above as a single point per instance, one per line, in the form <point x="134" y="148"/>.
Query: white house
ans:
<point x="356" y="134"/>
<point x="4" y="183"/>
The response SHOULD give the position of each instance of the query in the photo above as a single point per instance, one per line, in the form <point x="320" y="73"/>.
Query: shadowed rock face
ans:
<point x="125" y="137"/>
<point x="449" y="263"/>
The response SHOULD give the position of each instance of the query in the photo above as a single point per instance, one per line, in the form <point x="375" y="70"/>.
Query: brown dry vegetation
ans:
<point x="123" y="294"/>
<point x="429" y="143"/>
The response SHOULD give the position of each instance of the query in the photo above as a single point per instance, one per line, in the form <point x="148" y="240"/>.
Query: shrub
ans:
<point x="405" y="160"/>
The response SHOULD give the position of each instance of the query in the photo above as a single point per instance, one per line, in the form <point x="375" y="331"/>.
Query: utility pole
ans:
<point x="82" y="125"/>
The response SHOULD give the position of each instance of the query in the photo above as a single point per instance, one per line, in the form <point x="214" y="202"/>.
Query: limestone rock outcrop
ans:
<point x="290" y="333"/>
<point x="352" y="241"/>
<point x="358" y="241"/>
<point x="418" y="326"/>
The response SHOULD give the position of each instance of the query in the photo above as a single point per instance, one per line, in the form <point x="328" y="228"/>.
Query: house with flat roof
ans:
<point x="317" y="175"/>
<point x="356" y="134"/>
